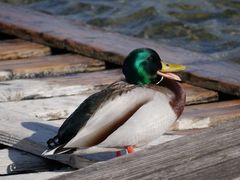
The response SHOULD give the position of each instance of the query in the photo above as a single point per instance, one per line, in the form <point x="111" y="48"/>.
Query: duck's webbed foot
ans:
<point x="53" y="142"/>
<point x="128" y="150"/>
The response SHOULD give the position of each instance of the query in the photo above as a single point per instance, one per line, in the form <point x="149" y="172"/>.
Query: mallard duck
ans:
<point x="131" y="112"/>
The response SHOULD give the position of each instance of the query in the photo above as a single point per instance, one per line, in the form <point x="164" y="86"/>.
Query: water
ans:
<point x="208" y="26"/>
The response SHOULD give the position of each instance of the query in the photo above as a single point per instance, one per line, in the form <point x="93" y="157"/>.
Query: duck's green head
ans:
<point x="144" y="66"/>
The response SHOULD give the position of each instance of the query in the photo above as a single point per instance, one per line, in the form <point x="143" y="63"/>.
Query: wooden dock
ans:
<point x="49" y="65"/>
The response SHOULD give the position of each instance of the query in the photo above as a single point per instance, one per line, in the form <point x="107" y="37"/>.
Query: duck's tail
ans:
<point x="55" y="147"/>
<point x="56" y="151"/>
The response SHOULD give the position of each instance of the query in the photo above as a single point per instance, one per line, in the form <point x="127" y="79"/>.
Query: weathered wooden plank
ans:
<point x="5" y="75"/>
<point x="47" y="109"/>
<point x="208" y="115"/>
<point x="220" y="76"/>
<point x="92" y="42"/>
<point x="39" y="175"/>
<point x="50" y="66"/>
<point x="29" y="134"/>
<point x="15" y="161"/>
<point x="213" y="154"/>
<point x="59" y="86"/>
<point x="196" y="95"/>
<point x="24" y="132"/>
<point x="79" y="84"/>
<point x="18" y="49"/>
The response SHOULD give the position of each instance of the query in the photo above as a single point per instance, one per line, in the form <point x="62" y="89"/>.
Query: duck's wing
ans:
<point x="79" y="118"/>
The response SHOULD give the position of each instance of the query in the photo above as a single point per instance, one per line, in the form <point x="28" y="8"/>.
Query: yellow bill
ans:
<point x="168" y="69"/>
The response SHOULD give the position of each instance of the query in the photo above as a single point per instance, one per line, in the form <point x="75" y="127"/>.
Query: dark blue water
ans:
<point x="208" y="26"/>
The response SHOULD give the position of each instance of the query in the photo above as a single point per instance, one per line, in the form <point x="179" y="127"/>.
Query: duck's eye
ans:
<point x="167" y="64"/>
<point x="152" y="59"/>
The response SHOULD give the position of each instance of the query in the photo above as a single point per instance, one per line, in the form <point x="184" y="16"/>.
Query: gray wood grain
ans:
<point x="18" y="49"/>
<point x="208" y="115"/>
<point x="29" y="134"/>
<point x="81" y="83"/>
<point x="56" y="65"/>
<point x="39" y="175"/>
<point x="216" y="75"/>
<point x="213" y="154"/>
<point x="24" y="132"/>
